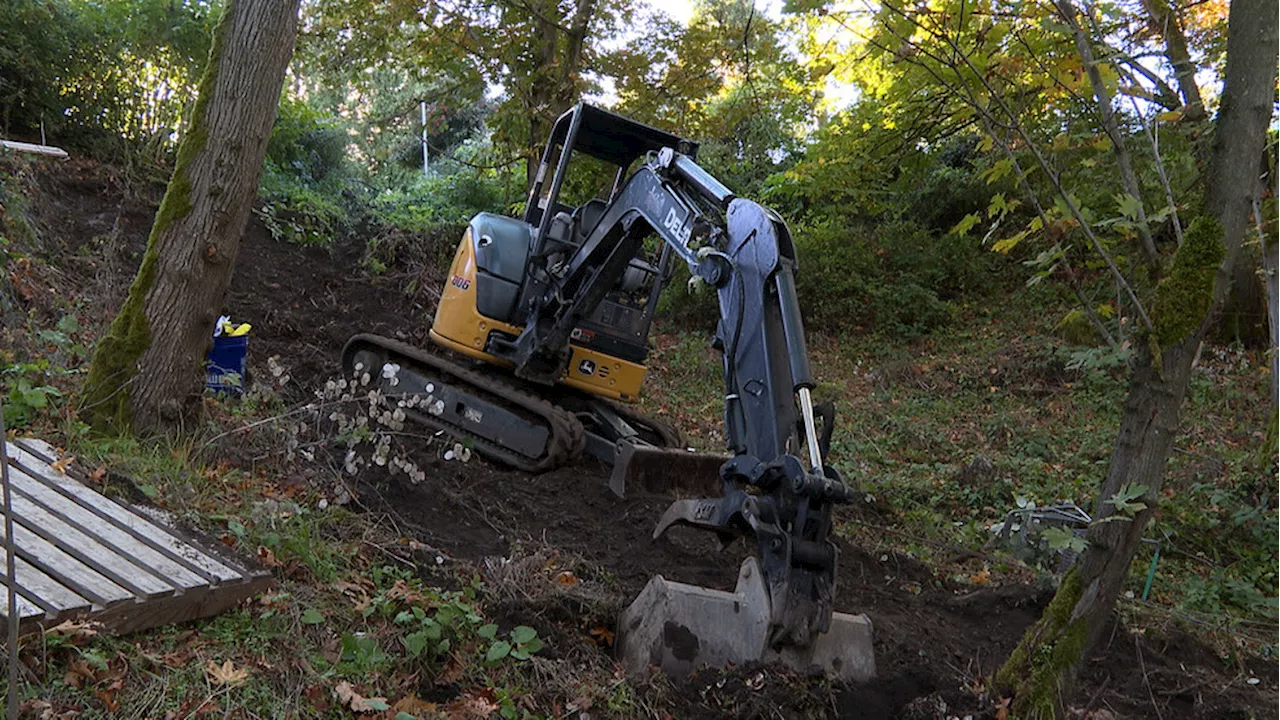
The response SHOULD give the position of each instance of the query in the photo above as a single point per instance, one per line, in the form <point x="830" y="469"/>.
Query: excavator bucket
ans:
<point x="680" y="628"/>
<point x="651" y="469"/>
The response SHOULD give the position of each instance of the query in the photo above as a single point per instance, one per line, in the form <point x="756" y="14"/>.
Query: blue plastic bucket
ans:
<point x="224" y="368"/>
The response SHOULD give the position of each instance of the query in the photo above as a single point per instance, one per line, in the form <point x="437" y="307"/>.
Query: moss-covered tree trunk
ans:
<point x="1039" y="673"/>
<point x="1270" y="231"/>
<point x="150" y="362"/>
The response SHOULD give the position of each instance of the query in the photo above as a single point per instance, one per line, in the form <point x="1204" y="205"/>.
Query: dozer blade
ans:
<point x="681" y="628"/>
<point x="664" y="470"/>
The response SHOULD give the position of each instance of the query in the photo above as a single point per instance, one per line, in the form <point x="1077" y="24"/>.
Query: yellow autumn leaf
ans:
<point x="225" y="674"/>
<point x="61" y="464"/>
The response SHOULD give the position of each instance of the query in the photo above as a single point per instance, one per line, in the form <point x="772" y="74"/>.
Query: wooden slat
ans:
<point x="26" y="608"/>
<point x="67" y="570"/>
<point x="145" y="530"/>
<point x="50" y="150"/>
<point x="109" y="561"/>
<point x="50" y="594"/>
<point x="29" y="490"/>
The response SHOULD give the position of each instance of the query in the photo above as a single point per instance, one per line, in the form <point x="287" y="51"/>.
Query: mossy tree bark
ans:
<point x="1269" y="228"/>
<point x="149" y="363"/>
<point x="1039" y="673"/>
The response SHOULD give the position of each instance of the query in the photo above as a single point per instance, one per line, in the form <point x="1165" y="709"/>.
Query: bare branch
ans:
<point x="1130" y="180"/>
<point x="1017" y="127"/>
<point x="1165" y="22"/>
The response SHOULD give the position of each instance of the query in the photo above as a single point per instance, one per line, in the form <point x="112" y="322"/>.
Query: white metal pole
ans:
<point x="426" y="167"/>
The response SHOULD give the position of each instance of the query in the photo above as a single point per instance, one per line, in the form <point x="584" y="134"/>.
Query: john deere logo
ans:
<point x="587" y="367"/>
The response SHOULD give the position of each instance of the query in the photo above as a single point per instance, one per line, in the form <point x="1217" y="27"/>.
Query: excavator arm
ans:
<point x="745" y="252"/>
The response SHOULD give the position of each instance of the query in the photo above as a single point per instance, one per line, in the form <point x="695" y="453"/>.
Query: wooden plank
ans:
<point x="33" y="148"/>
<point x="30" y="490"/>
<point x="67" y="570"/>
<point x="44" y="590"/>
<point x="26" y="608"/>
<point x="110" y="561"/>
<point x="180" y="608"/>
<point x="158" y="537"/>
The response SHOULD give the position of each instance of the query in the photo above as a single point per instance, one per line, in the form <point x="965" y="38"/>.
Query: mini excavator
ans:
<point x="551" y="313"/>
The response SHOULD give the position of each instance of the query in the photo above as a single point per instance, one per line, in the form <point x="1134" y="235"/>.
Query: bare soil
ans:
<point x="934" y="640"/>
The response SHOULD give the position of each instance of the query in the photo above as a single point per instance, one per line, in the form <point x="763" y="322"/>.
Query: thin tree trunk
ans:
<point x="149" y="363"/>
<point x="1270" y="282"/>
<point x="1041" y="671"/>
<point x="1165" y="22"/>
<point x="1130" y="180"/>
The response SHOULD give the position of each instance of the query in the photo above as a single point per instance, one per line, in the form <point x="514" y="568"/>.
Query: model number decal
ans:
<point x="460" y="282"/>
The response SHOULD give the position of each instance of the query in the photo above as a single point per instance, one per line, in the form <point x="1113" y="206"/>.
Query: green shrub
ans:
<point x="305" y="143"/>
<point x="895" y="278"/>
<point x="304" y="176"/>
<point x="438" y="201"/>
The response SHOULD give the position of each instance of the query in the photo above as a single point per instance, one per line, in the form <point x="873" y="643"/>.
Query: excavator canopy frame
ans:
<point x="600" y="134"/>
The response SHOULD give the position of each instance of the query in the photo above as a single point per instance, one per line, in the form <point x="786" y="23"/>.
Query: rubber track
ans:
<point x="568" y="437"/>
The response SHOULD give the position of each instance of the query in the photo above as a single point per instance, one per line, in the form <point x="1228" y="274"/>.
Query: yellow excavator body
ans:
<point x="460" y="326"/>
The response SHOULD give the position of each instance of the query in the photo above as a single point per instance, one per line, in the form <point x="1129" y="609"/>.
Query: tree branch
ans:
<point x="1166" y="23"/>
<point x="1068" y="12"/>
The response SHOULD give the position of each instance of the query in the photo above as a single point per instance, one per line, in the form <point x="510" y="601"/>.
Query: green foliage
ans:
<point x="26" y="392"/>
<point x="1185" y="294"/>
<point x="305" y="144"/>
<point x="438" y="201"/>
<point x="102" y="76"/>
<point x="894" y="278"/>
<point x="304" y="175"/>
<point x="40" y="42"/>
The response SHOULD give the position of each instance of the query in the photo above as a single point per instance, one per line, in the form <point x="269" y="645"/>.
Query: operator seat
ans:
<point x="588" y="216"/>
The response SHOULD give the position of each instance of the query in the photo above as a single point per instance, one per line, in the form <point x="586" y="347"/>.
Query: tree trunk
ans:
<point x="1039" y="673"/>
<point x="151" y="358"/>
<point x="554" y="88"/>
<point x="1165" y="22"/>
<point x="1270" y="281"/>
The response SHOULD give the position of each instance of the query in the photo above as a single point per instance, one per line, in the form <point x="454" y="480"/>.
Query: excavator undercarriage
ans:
<point x="548" y="316"/>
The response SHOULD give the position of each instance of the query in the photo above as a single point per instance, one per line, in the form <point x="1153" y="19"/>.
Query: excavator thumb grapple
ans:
<point x="551" y="314"/>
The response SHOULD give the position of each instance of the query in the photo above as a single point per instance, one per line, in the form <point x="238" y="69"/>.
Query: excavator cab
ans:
<point x="488" y="294"/>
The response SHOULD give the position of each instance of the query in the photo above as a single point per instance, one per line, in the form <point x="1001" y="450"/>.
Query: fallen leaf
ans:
<point x="473" y="704"/>
<point x="601" y="635"/>
<point x="400" y="590"/>
<point x="982" y="577"/>
<point x="225" y="674"/>
<point x="62" y="463"/>
<point x="451" y="673"/>
<point x="358" y="703"/>
<point x="566" y="577"/>
<point x="73" y="629"/>
<point x="414" y="705"/>
<point x="99" y="476"/>
<point x="78" y="673"/>
<point x="267" y="557"/>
